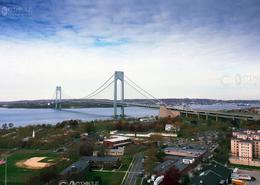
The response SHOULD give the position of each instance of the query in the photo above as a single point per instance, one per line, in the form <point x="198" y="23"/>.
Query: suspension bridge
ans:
<point x="151" y="101"/>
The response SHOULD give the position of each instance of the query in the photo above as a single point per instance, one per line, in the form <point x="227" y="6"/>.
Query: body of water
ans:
<point x="22" y="117"/>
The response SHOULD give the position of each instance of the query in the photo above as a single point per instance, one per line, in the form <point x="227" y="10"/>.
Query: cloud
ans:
<point x="174" y="48"/>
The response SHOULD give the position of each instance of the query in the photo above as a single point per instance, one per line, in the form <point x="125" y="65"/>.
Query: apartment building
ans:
<point x="245" y="148"/>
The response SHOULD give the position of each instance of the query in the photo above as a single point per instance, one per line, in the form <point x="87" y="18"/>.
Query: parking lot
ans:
<point x="254" y="173"/>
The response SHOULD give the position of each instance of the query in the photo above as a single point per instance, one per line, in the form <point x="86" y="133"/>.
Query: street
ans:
<point x="135" y="170"/>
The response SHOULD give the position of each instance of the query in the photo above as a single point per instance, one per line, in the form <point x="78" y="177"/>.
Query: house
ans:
<point x="117" y="141"/>
<point x="168" y="127"/>
<point x="83" y="136"/>
<point x="188" y="160"/>
<point x="101" y="162"/>
<point x="146" y="119"/>
<point x="85" y="163"/>
<point x="115" y="151"/>
<point x="213" y="174"/>
<point x="172" y="127"/>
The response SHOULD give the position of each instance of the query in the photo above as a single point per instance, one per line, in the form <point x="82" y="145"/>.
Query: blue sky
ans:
<point x="173" y="48"/>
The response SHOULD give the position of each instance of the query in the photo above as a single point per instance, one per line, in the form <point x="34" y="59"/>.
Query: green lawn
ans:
<point x="107" y="178"/>
<point x="126" y="160"/>
<point x="18" y="176"/>
<point x="138" y="181"/>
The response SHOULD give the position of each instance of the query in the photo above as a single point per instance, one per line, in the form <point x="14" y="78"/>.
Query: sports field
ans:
<point x="24" y="164"/>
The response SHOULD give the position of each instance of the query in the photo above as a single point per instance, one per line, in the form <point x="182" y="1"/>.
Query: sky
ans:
<point x="171" y="48"/>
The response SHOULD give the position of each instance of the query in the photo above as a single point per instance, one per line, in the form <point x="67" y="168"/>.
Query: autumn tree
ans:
<point x="172" y="177"/>
<point x="86" y="148"/>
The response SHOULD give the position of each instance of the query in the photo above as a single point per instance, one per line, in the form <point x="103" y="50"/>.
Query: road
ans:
<point x="135" y="170"/>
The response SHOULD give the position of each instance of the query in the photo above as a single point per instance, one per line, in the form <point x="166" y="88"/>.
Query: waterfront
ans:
<point x="22" y="117"/>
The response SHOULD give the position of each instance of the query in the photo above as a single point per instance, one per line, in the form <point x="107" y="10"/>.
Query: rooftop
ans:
<point x="166" y="165"/>
<point x="212" y="174"/>
<point x="76" y="167"/>
<point x="116" y="138"/>
<point x="191" y="150"/>
<point x="100" y="159"/>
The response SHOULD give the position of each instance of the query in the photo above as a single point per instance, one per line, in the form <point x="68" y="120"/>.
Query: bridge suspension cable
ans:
<point x="99" y="89"/>
<point x="142" y="90"/>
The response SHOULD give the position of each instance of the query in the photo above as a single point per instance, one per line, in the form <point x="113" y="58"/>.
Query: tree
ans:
<point x="160" y="155"/>
<point x="48" y="176"/>
<point x="11" y="125"/>
<point x="101" y="150"/>
<point x="73" y="123"/>
<point x="150" y="160"/>
<point x="172" y="177"/>
<point x="5" y="126"/>
<point x="86" y="148"/>
<point x="73" y="152"/>
<point x="89" y="127"/>
<point x="185" y="179"/>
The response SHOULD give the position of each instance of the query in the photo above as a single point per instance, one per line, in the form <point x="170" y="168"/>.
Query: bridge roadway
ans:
<point x="206" y="113"/>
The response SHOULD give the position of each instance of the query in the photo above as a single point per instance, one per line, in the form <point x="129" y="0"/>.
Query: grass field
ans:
<point x="138" y="181"/>
<point x="126" y="160"/>
<point x="18" y="176"/>
<point x="108" y="178"/>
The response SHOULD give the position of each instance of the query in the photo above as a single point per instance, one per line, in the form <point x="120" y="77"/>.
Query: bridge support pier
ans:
<point x="119" y="75"/>
<point x="198" y="116"/>
<point x="207" y="116"/>
<point x="216" y="118"/>
<point x="58" y="98"/>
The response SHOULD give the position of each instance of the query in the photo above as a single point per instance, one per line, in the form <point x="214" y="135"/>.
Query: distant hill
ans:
<point x="76" y="103"/>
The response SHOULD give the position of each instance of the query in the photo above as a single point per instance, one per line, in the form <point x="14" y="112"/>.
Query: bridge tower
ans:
<point x="58" y="98"/>
<point x="119" y="75"/>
